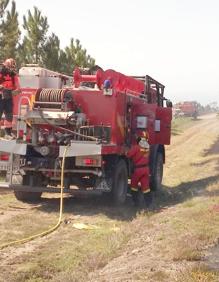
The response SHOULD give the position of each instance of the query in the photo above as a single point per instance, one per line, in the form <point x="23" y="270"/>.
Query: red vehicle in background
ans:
<point x="98" y="118"/>
<point x="189" y="108"/>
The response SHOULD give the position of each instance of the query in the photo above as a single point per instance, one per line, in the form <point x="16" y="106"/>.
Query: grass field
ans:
<point x="176" y="241"/>
<point x="182" y="123"/>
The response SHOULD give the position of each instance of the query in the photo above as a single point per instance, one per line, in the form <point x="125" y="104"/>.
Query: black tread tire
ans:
<point x="195" y="115"/>
<point x="156" y="178"/>
<point x="28" y="197"/>
<point x="120" y="183"/>
<point x="24" y="196"/>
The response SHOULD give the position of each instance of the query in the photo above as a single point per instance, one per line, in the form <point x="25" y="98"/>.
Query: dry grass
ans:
<point x="21" y="225"/>
<point x="195" y="225"/>
<point x="188" y="253"/>
<point x="64" y="255"/>
<point x="152" y="275"/>
<point x="198" y="274"/>
<point x="176" y="234"/>
<point x="180" y="124"/>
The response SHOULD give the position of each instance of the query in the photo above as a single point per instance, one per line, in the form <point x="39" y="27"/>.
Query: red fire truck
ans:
<point x="98" y="118"/>
<point x="189" y="108"/>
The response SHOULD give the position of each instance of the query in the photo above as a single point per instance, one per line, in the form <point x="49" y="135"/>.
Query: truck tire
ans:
<point x="156" y="178"/>
<point x="120" y="183"/>
<point x="195" y="115"/>
<point x="24" y="196"/>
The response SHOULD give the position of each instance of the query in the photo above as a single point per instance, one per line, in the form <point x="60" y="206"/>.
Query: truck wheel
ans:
<point x="195" y="115"/>
<point x="156" y="178"/>
<point x="32" y="180"/>
<point x="120" y="183"/>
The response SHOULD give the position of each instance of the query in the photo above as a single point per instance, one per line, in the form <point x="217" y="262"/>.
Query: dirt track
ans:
<point x="155" y="248"/>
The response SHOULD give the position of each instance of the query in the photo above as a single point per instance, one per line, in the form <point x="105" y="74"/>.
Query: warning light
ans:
<point x="89" y="161"/>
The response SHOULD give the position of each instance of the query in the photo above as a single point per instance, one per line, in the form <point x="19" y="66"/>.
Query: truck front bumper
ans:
<point x="74" y="150"/>
<point x="81" y="149"/>
<point x="11" y="146"/>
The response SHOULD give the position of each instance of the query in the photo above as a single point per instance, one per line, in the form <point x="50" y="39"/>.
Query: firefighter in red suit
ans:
<point x="8" y="85"/>
<point x="139" y="154"/>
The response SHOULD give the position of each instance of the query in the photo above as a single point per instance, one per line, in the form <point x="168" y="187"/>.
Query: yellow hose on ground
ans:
<point x="50" y="230"/>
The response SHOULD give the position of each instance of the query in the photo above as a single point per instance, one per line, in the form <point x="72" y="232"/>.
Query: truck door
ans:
<point x="143" y="117"/>
<point x="162" y="125"/>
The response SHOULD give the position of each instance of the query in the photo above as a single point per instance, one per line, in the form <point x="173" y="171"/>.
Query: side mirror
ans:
<point x="169" y="104"/>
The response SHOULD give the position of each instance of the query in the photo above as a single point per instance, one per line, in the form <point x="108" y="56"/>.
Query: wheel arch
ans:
<point x="119" y="176"/>
<point x="113" y="159"/>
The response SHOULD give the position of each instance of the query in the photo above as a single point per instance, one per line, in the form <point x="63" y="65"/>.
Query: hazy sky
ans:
<point x="174" y="41"/>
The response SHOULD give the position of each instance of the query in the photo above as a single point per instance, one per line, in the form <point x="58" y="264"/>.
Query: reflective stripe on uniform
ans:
<point x="134" y="189"/>
<point x="146" y="191"/>
<point x="144" y="150"/>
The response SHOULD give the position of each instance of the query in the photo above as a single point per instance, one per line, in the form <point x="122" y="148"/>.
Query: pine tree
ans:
<point x="64" y="64"/>
<point x="38" y="49"/>
<point x="77" y="56"/>
<point x="3" y="6"/>
<point x="36" y="27"/>
<point x="9" y="30"/>
<point x="52" y="52"/>
<point x="65" y="60"/>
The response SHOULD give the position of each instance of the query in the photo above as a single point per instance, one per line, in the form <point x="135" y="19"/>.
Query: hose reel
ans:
<point x="52" y="98"/>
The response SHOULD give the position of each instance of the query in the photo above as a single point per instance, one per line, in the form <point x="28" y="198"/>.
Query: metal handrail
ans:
<point x="21" y="99"/>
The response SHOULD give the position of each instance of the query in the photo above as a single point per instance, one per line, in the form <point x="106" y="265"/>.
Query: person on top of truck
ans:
<point x="8" y="85"/>
<point x="139" y="154"/>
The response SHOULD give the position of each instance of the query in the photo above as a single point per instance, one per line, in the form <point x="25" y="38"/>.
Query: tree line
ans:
<point x="35" y="45"/>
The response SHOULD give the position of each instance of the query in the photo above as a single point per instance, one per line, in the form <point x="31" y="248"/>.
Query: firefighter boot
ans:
<point x="135" y="197"/>
<point x="148" y="199"/>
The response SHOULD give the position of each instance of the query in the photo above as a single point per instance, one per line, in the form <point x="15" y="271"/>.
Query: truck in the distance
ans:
<point x="189" y="108"/>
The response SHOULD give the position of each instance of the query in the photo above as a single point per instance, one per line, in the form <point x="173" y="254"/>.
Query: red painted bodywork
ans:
<point x="111" y="110"/>
<point x="188" y="108"/>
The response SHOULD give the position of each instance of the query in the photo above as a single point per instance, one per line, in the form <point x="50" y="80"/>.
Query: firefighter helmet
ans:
<point x="10" y="64"/>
